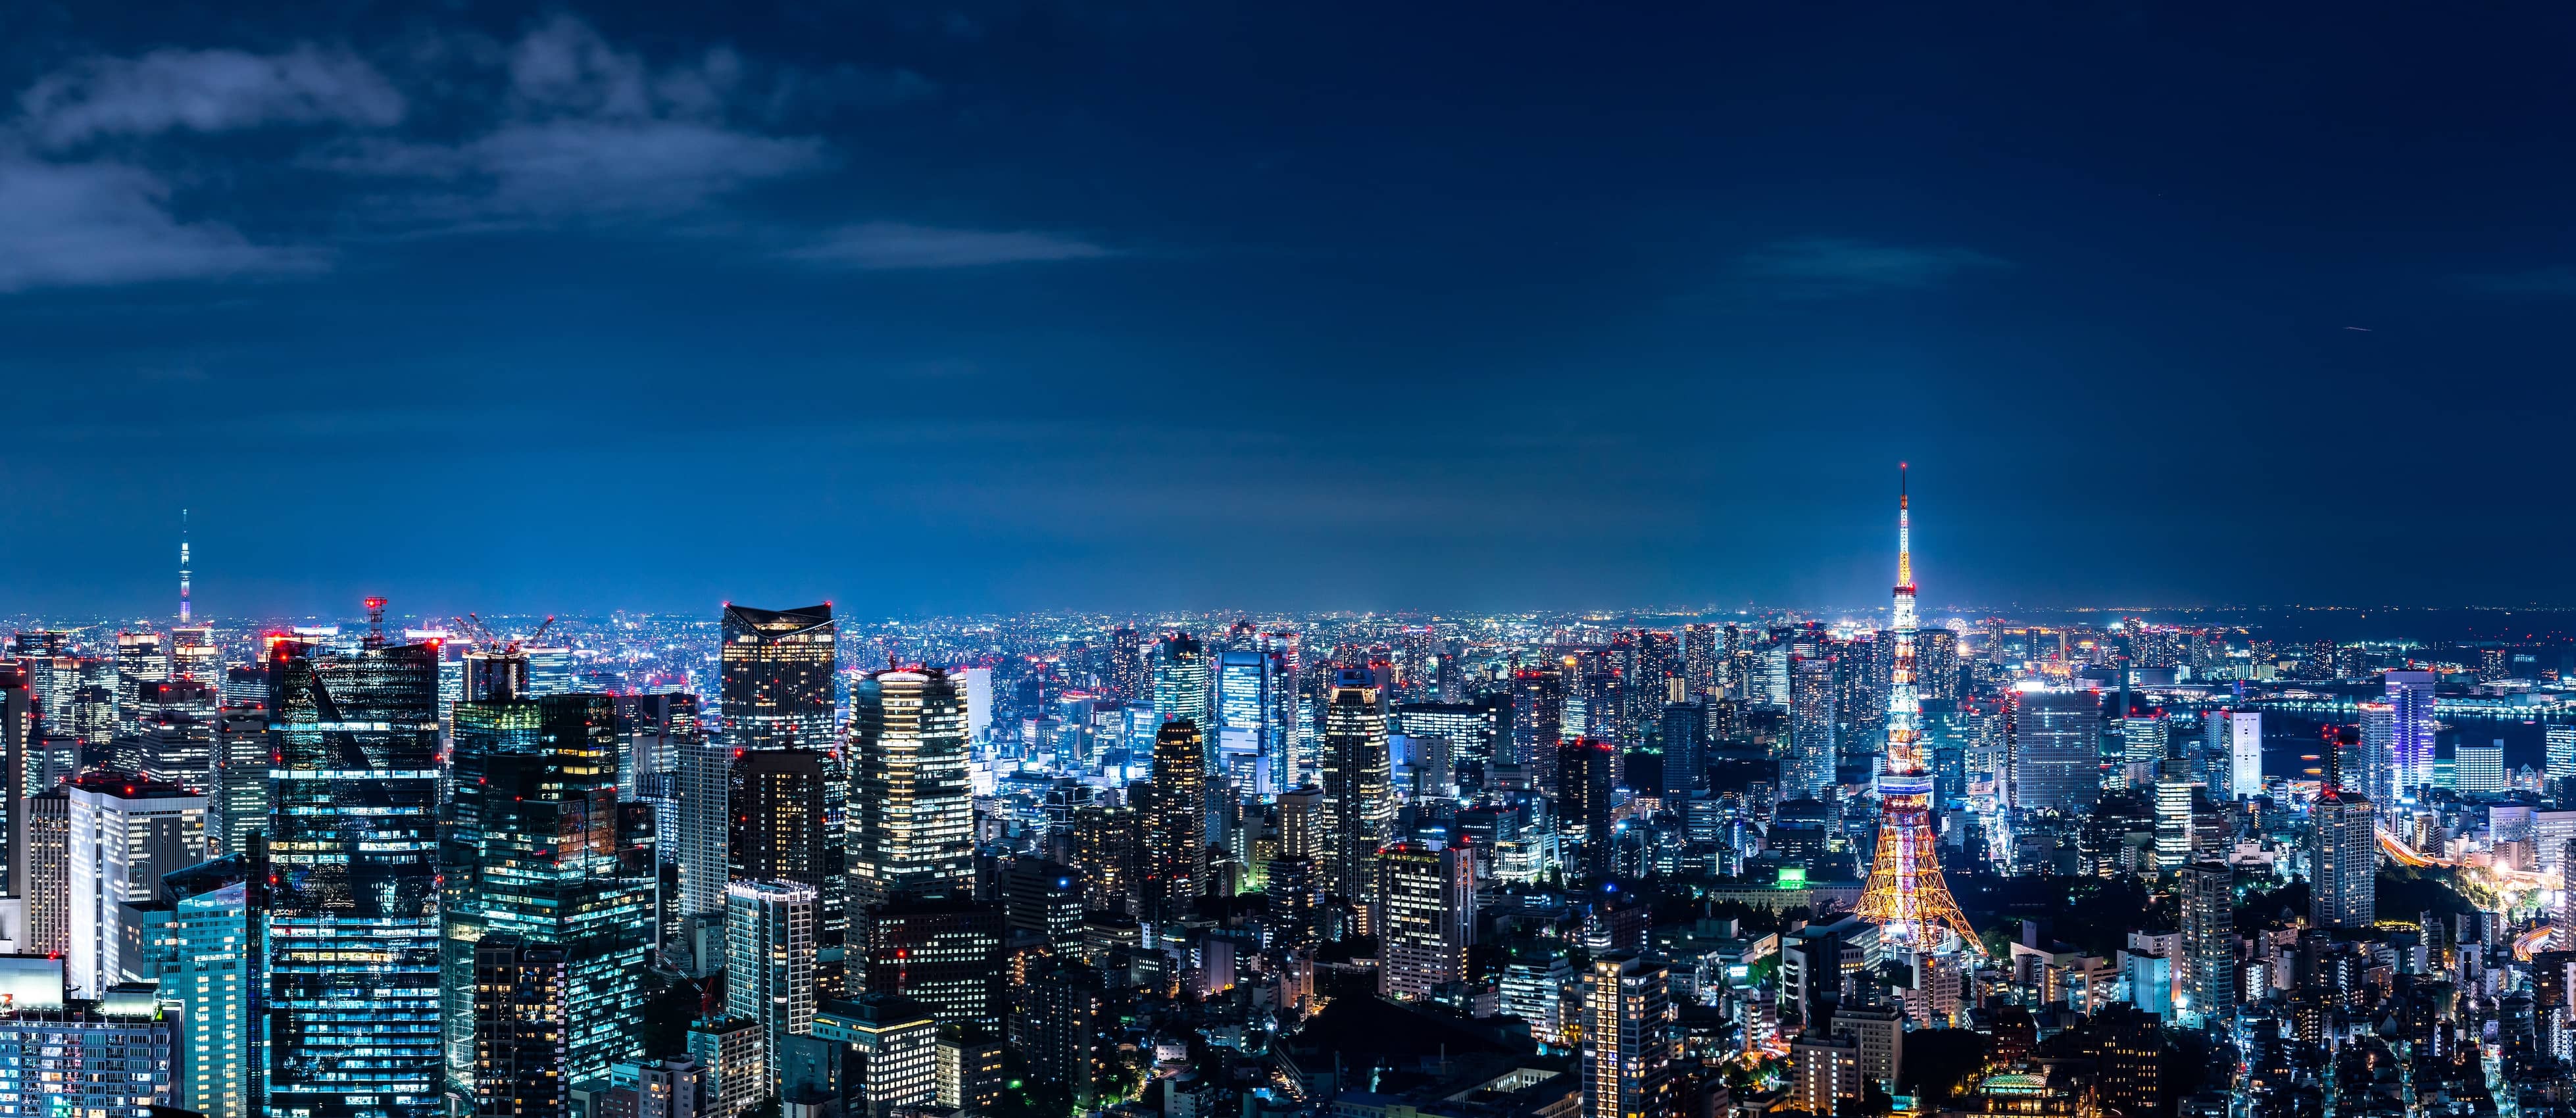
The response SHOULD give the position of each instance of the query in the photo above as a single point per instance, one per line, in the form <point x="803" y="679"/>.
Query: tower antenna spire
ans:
<point x="1905" y="895"/>
<point x="184" y="615"/>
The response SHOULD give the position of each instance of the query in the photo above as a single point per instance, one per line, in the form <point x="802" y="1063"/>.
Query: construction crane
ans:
<point x="472" y="626"/>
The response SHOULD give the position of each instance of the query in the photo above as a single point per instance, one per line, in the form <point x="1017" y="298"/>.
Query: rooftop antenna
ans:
<point x="375" y="622"/>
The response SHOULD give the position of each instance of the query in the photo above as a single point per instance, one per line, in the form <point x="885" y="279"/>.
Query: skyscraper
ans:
<point x="2343" y="854"/>
<point x="706" y="828"/>
<point x="1254" y="709"/>
<point x="1684" y="729"/>
<point x="516" y="997"/>
<point x="1425" y="918"/>
<point x="2480" y="769"/>
<point x="769" y="962"/>
<point x="2056" y="750"/>
<point x="214" y="979"/>
<point x="1182" y="684"/>
<point x="2561" y="757"/>
<point x="1359" y="793"/>
<point x="914" y="824"/>
<point x="1628" y="1048"/>
<point x="1905" y="895"/>
<point x="1584" y="779"/>
<point x="2244" y="753"/>
<point x="2208" y="937"/>
<point x="43" y="870"/>
<point x="784" y="829"/>
<point x="2411" y="730"/>
<point x="1175" y="862"/>
<point x="239" y="803"/>
<point x="352" y="999"/>
<point x="1538" y="722"/>
<point x="125" y="832"/>
<point x="944" y="952"/>
<point x="537" y="850"/>
<point x="1809" y="769"/>
<point x="777" y="677"/>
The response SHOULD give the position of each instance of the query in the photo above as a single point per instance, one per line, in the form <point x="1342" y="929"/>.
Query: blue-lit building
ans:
<point x="538" y="848"/>
<point x="214" y="980"/>
<point x="353" y="925"/>
<point x="108" y="1058"/>
<point x="1255" y="704"/>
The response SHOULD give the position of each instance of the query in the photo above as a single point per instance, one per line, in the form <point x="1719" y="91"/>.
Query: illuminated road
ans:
<point x="2528" y="942"/>
<point x="2407" y="855"/>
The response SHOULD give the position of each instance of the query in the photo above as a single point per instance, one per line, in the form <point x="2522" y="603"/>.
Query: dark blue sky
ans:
<point x="977" y="306"/>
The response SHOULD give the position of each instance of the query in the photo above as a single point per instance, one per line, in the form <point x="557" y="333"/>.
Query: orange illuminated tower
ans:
<point x="1906" y="897"/>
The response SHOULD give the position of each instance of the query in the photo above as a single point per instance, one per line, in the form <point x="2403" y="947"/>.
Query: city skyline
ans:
<point x="1019" y="307"/>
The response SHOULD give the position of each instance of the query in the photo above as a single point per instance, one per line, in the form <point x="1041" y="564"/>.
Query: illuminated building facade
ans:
<point x="1425" y="918"/>
<point x="783" y="828"/>
<point x="2343" y="852"/>
<point x="537" y="849"/>
<point x="1628" y="1046"/>
<point x="1808" y="771"/>
<point x="1183" y="688"/>
<point x="1359" y="791"/>
<point x="517" y="1000"/>
<point x="1175" y="857"/>
<point x="776" y="666"/>
<point x="352" y="998"/>
<point x="944" y="952"/>
<point x="769" y="963"/>
<point x="2056" y="750"/>
<point x="125" y="832"/>
<point x="2410" y="734"/>
<point x="1585" y="775"/>
<point x="915" y="813"/>
<point x="214" y="980"/>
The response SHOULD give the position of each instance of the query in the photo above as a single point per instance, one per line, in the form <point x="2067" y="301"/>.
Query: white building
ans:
<point x="125" y="833"/>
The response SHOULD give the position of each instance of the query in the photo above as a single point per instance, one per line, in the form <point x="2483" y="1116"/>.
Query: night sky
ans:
<point x="1008" y="306"/>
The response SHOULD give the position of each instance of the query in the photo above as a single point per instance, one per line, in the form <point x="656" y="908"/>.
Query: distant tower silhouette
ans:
<point x="184" y="615"/>
<point x="1905" y="895"/>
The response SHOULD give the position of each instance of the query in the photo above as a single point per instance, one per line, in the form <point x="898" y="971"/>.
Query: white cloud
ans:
<point x="879" y="245"/>
<point x="86" y="224"/>
<point x="207" y="91"/>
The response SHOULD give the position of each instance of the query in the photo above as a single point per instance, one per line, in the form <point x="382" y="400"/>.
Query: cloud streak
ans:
<point x="207" y="91"/>
<point x="99" y="223"/>
<point x="1823" y="267"/>
<point x="886" y="245"/>
<point x="559" y="129"/>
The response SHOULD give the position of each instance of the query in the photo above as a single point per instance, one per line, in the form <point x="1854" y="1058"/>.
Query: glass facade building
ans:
<point x="776" y="690"/>
<point x="353" y="928"/>
<point x="538" y="849"/>
<point x="915" y="817"/>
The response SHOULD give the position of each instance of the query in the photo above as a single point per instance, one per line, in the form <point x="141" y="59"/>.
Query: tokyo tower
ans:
<point x="1905" y="896"/>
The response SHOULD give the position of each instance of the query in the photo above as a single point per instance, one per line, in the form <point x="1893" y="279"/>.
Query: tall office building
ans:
<point x="944" y="952"/>
<point x="238" y="806"/>
<point x="1585" y="776"/>
<point x="1538" y="722"/>
<point x="2244" y="752"/>
<point x="2479" y="769"/>
<point x="1044" y="899"/>
<point x="1107" y="841"/>
<point x="735" y="1070"/>
<point x="20" y="744"/>
<point x="1255" y="706"/>
<point x="1702" y="666"/>
<point x="2561" y="757"/>
<point x="914" y="825"/>
<point x="1628" y="1047"/>
<point x="352" y="998"/>
<point x="1425" y="919"/>
<point x="784" y="829"/>
<point x="214" y="980"/>
<point x="2173" y="816"/>
<point x="124" y="833"/>
<point x="140" y="658"/>
<point x="769" y="962"/>
<point x="516" y="1000"/>
<point x="43" y="871"/>
<point x="706" y="828"/>
<point x="2145" y="737"/>
<point x="1058" y="1018"/>
<point x="537" y="849"/>
<point x="883" y="1049"/>
<point x="1359" y="792"/>
<point x="1182" y="685"/>
<point x="2208" y="938"/>
<point x="2411" y="730"/>
<point x="2056" y="750"/>
<point x="1808" y="771"/>
<point x="2343" y="852"/>
<point x="776" y="690"/>
<point x="1175" y="856"/>
<point x="1684" y="730"/>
